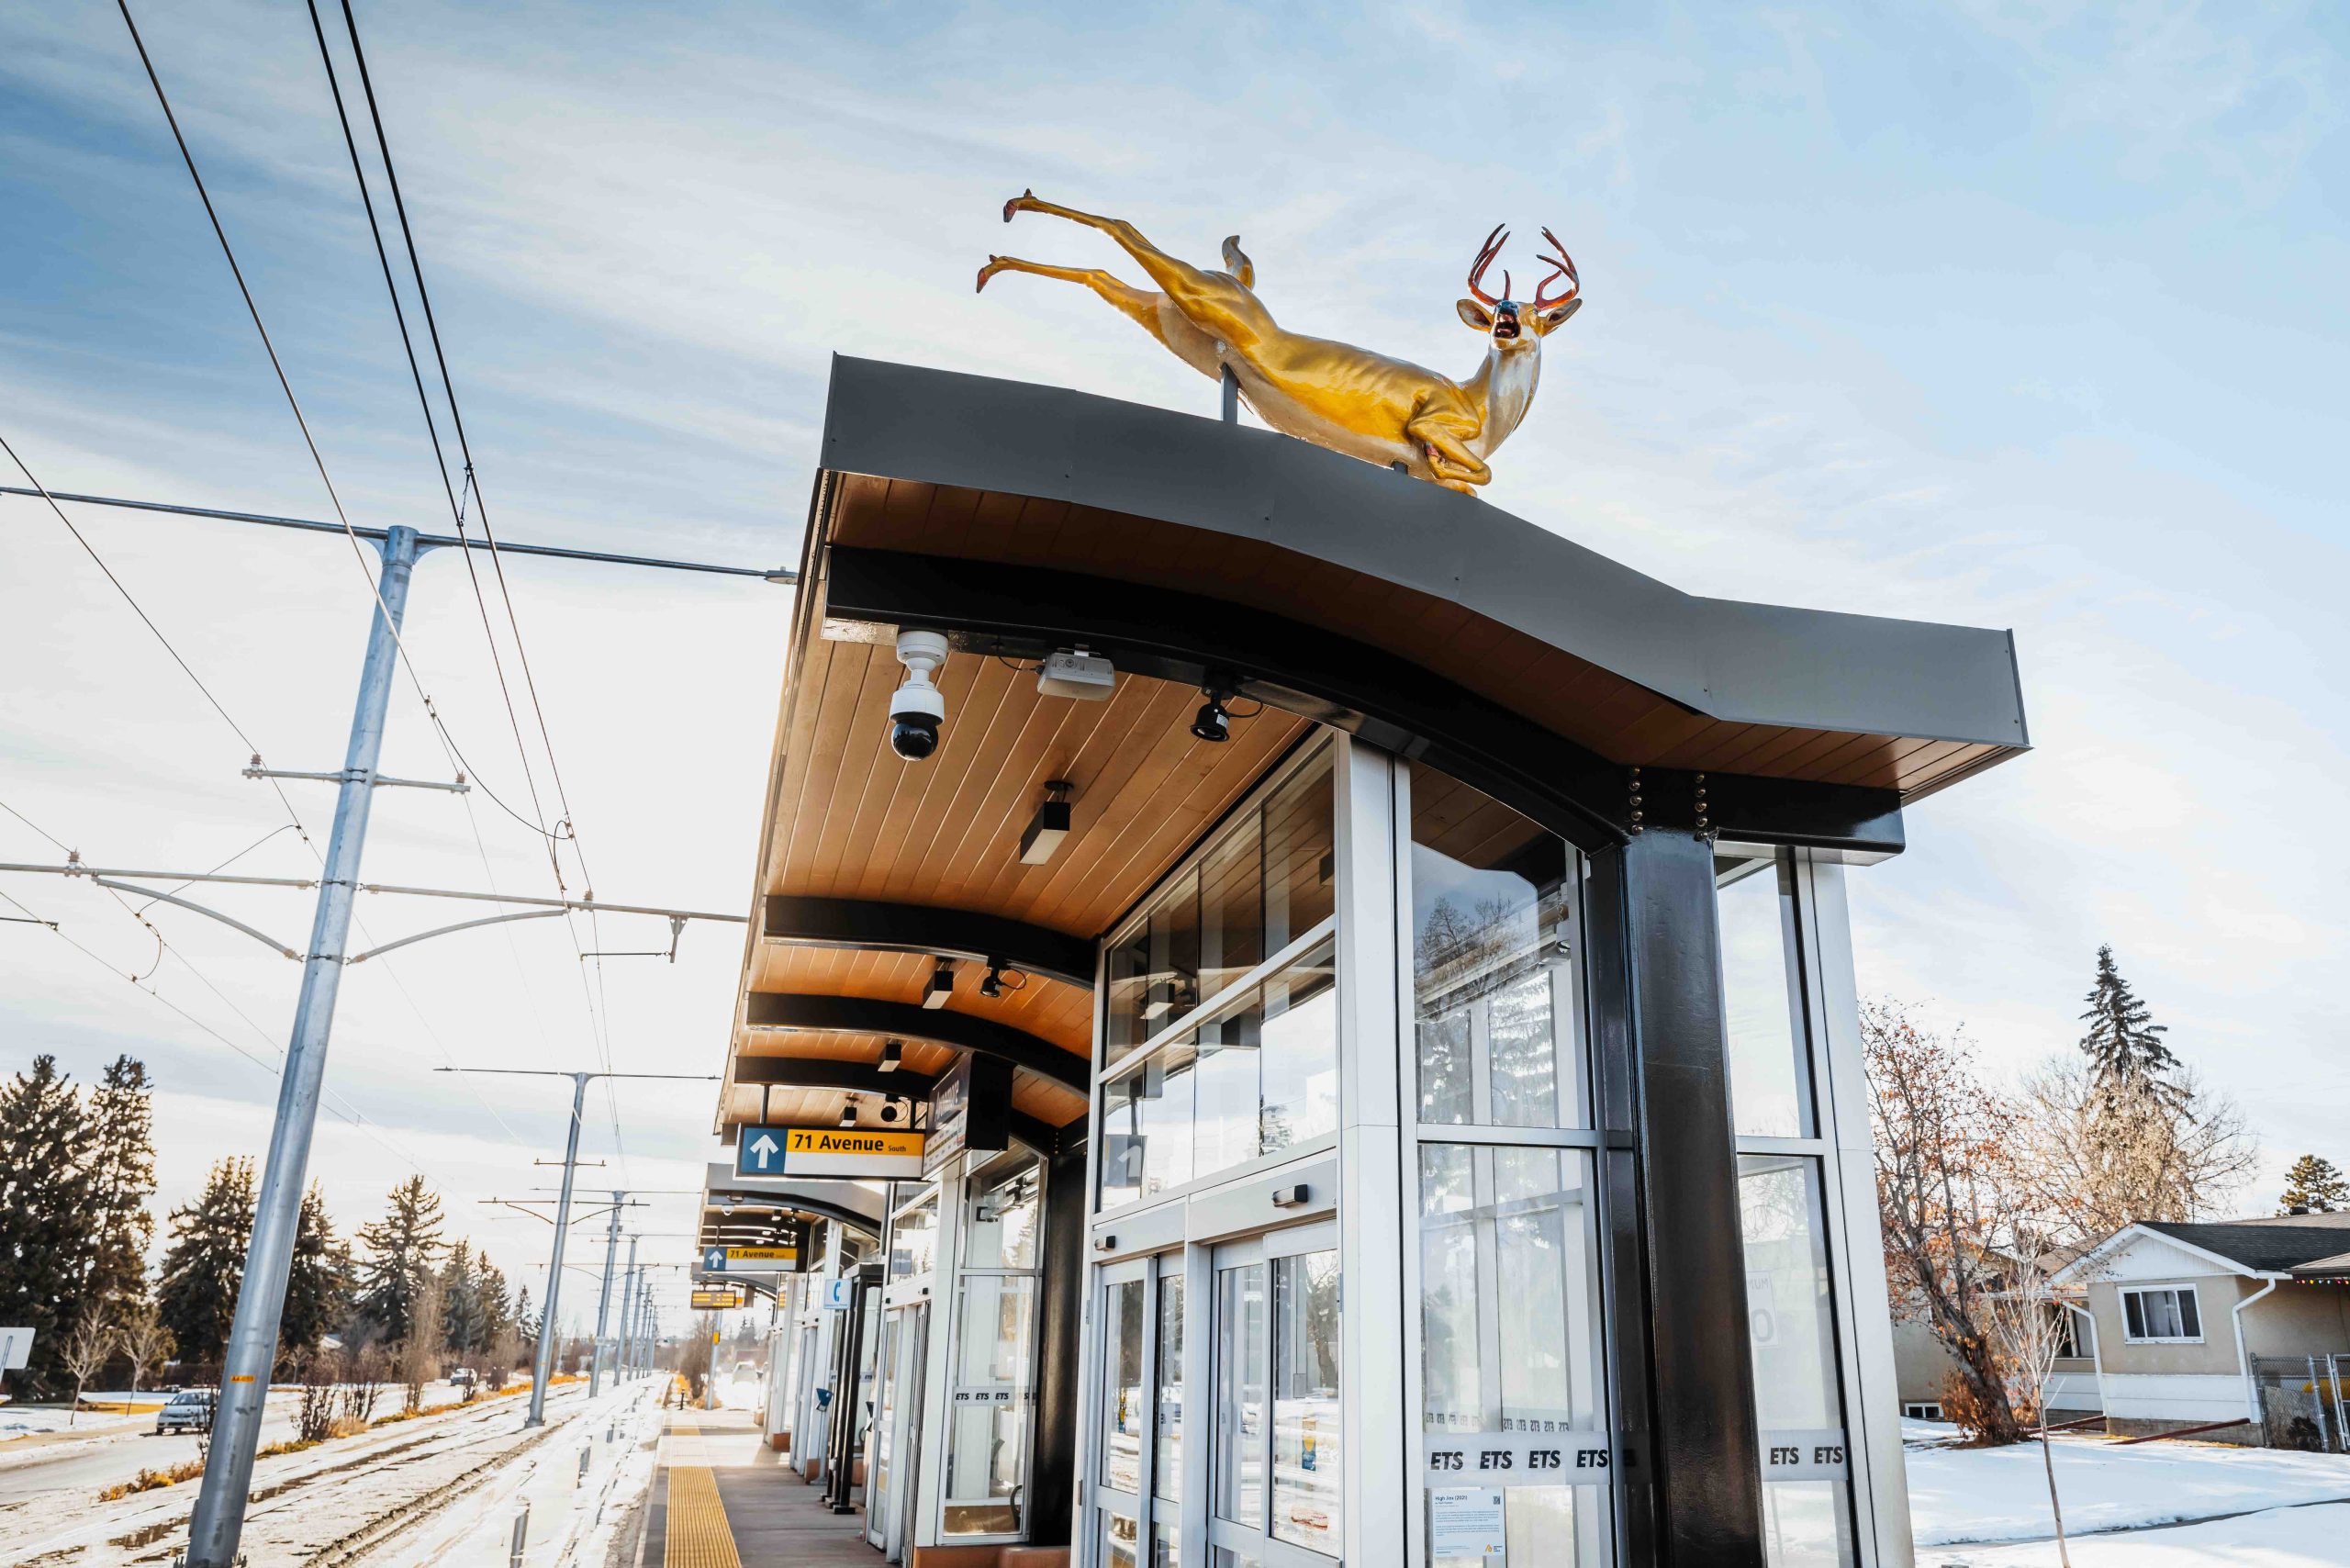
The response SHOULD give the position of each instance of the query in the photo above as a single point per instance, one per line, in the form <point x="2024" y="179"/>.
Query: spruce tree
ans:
<point x="122" y="1172"/>
<point x="318" y="1283"/>
<point x="465" y="1324"/>
<point x="2314" y="1184"/>
<point x="206" y="1261"/>
<point x="47" y="1235"/>
<point x="2127" y="1058"/>
<point x="404" y="1247"/>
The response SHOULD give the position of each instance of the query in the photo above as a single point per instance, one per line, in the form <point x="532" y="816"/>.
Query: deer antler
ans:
<point x="1485" y="254"/>
<point x="1562" y="266"/>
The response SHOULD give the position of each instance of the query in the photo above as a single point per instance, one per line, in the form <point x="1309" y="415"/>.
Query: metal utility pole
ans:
<point x="604" y="1300"/>
<point x="542" y="1364"/>
<point x="219" y="1518"/>
<point x="628" y="1315"/>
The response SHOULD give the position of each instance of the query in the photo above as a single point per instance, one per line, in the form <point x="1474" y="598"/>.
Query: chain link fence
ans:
<point x="2304" y="1401"/>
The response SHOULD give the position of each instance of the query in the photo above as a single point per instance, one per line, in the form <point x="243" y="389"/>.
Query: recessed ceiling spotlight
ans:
<point x="1049" y="826"/>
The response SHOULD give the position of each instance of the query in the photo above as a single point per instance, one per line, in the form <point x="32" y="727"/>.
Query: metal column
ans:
<point x="549" y="1325"/>
<point x="625" y="1357"/>
<point x="604" y="1299"/>
<point x="218" y="1521"/>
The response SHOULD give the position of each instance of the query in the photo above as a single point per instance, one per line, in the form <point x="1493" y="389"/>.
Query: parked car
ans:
<point x="189" y="1410"/>
<point x="462" y="1378"/>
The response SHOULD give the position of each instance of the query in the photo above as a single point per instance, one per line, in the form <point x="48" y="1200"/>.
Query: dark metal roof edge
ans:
<point x="1729" y="659"/>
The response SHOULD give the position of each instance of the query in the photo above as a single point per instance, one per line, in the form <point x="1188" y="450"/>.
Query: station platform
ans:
<point x="723" y="1499"/>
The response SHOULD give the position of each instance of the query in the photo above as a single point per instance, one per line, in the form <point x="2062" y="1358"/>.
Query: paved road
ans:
<point x="77" y="1472"/>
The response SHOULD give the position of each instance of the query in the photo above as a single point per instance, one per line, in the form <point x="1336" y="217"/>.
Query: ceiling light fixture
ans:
<point x="941" y="986"/>
<point x="1000" y="980"/>
<point x="848" y="1111"/>
<point x="893" y="1055"/>
<point x="1211" y="723"/>
<point x="1049" y="826"/>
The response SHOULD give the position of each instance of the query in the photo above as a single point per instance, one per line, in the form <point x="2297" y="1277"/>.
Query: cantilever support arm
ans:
<point x="261" y="937"/>
<point x="446" y="930"/>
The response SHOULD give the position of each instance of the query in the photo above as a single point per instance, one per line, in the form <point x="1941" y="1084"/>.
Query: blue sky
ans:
<point x="2022" y="316"/>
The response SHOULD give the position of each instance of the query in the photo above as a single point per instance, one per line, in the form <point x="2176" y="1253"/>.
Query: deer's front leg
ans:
<point x="1445" y="437"/>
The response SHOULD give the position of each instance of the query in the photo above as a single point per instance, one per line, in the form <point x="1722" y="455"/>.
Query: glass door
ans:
<point x="1277" y="1469"/>
<point x="1139" y="1424"/>
<point x="896" y="1442"/>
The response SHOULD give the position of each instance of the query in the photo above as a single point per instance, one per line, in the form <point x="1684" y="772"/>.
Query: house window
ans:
<point x="1927" y="1410"/>
<point x="2170" y="1313"/>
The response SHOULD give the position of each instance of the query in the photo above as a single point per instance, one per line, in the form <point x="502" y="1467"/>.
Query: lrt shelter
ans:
<point x="1359" y="993"/>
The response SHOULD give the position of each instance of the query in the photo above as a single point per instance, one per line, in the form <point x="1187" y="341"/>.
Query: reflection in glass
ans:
<point x="1300" y="1061"/>
<point x="998" y="1315"/>
<point x="1792" y="1326"/>
<point x="1307" y="1468"/>
<point x="1507" y="1281"/>
<point x="1122" y="1141"/>
<point x="912" y="1237"/>
<point x="1121" y="1389"/>
<point x="1767" y="1094"/>
<point x="1118" y="1540"/>
<point x="1232" y="912"/>
<point x="1002" y="1230"/>
<point x="1166" y="1545"/>
<point x="1492" y="898"/>
<point x="1241" y="1375"/>
<point x="986" y="1447"/>
<point x="1165" y="1097"/>
<point x="1167" y="1462"/>
<point x="1225" y="1133"/>
<point x="1300" y="884"/>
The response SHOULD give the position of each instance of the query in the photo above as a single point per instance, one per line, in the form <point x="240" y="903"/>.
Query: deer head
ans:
<point x="1513" y="326"/>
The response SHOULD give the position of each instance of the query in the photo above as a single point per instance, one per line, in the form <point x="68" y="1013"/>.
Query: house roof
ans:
<point x="2262" y="1246"/>
<point x="2334" y="1268"/>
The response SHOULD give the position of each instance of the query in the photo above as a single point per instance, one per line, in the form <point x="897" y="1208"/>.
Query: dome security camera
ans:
<point x="918" y="708"/>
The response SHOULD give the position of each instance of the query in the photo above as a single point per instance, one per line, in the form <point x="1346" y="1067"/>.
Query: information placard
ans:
<point x="1465" y="1522"/>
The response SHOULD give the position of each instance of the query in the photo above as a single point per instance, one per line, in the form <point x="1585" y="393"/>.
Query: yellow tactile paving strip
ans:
<point x="698" y="1534"/>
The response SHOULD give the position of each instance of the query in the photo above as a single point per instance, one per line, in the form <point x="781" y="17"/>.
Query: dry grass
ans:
<point x="292" y="1445"/>
<point x="149" y="1480"/>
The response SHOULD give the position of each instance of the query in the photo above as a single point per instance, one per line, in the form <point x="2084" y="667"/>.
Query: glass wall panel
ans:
<point x="1265" y="882"/>
<point x="1167" y="1465"/>
<point x="1307" y="1468"/>
<point x="1232" y="908"/>
<point x="1225" y="1133"/>
<point x="1241" y="1378"/>
<point x="1769" y="1093"/>
<point x="912" y="1237"/>
<point x="1121" y="1388"/>
<point x="1799" y="1407"/>
<point x="992" y="1366"/>
<point x="1119" y="1541"/>
<point x="1301" y="881"/>
<point x="1166" y="1115"/>
<point x="987" y="1451"/>
<point x="1166" y="1545"/>
<point x="1300" y="1060"/>
<point x="1122" y="1141"/>
<point x="1494" y="990"/>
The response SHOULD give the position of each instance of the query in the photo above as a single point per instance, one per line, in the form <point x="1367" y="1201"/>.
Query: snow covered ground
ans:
<point x="1988" y="1507"/>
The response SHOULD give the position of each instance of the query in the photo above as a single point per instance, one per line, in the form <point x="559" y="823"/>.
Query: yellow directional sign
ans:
<point x="749" y="1260"/>
<point x="718" y="1299"/>
<point x="880" y="1153"/>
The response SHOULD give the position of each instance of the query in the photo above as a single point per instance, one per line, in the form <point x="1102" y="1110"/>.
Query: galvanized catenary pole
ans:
<point x="604" y="1299"/>
<point x="543" y="1362"/>
<point x="628" y="1313"/>
<point x="218" y="1521"/>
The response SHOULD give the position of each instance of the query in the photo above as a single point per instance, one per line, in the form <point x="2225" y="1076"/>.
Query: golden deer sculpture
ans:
<point x="1388" y="411"/>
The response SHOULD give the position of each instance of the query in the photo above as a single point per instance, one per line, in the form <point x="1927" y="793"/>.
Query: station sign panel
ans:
<point x="882" y="1153"/>
<point x="719" y="1298"/>
<point x="971" y="1108"/>
<point x="750" y="1260"/>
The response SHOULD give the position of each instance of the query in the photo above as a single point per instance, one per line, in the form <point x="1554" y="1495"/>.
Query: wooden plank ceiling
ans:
<point x="1592" y="706"/>
<point x="851" y="820"/>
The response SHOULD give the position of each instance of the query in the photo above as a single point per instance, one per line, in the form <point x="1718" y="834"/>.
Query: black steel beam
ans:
<point x="1689" y="1491"/>
<point x="904" y="1021"/>
<point x="922" y="928"/>
<point x="820" y="1073"/>
<point x="1060" y="1324"/>
<point x="1388" y="701"/>
<point x="794" y="1204"/>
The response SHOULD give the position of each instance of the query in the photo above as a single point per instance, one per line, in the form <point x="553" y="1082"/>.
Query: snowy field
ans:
<point x="2263" y="1507"/>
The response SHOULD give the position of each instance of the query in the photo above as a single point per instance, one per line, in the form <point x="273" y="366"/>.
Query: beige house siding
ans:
<point x="2216" y="1296"/>
<point x="1919" y="1362"/>
<point x="2300" y="1319"/>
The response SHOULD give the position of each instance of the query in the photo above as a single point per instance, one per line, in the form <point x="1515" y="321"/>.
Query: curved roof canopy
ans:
<point x="1021" y="519"/>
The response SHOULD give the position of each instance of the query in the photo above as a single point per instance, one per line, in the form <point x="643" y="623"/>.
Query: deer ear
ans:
<point x="1551" y="321"/>
<point x="1475" y="315"/>
<point x="1237" y="264"/>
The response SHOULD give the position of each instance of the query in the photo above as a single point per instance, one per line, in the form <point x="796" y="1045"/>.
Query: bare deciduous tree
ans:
<point x="145" y="1341"/>
<point x="2097" y="1163"/>
<point x="86" y="1350"/>
<point x="419" y="1355"/>
<point x="1946" y="1201"/>
<point x="2029" y="1332"/>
